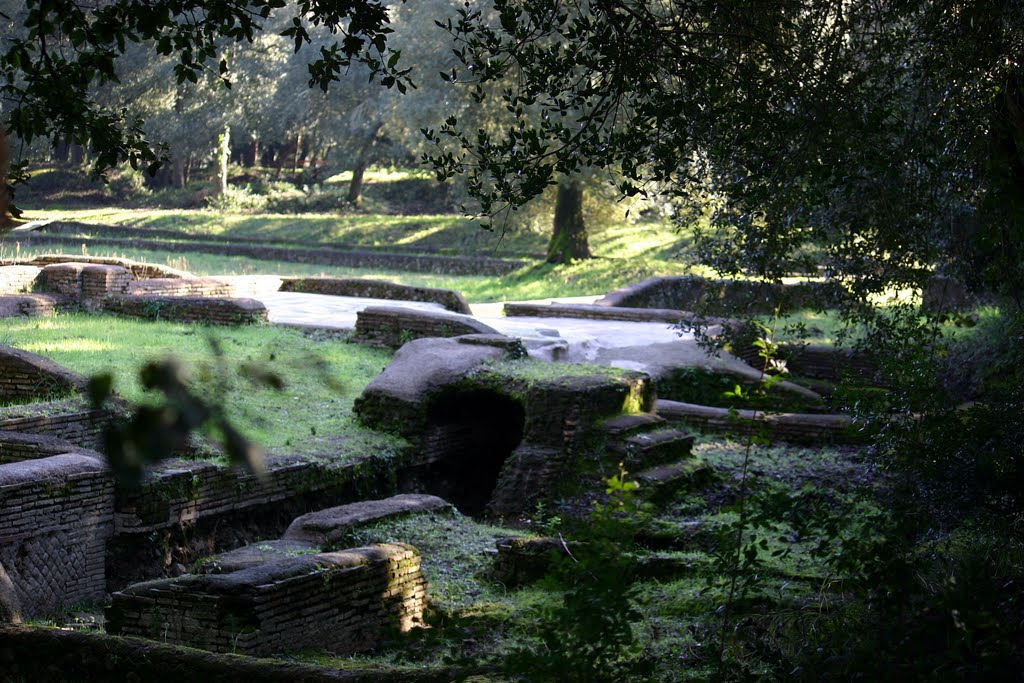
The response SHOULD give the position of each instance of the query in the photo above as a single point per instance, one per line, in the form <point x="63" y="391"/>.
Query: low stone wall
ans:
<point x="195" y="287"/>
<point x="819" y="362"/>
<point x="26" y="376"/>
<point x="17" y="305"/>
<point x="194" y="509"/>
<point x="177" y="492"/>
<point x="189" y="309"/>
<point x="139" y="270"/>
<point x="792" y="427"/>
<point x="57" y="517"/>
<point x="355" y="258"/>
<point x="596" y="312"/>
<point x="393" y="326"/>
<point x="82" y="428"/>
<point x="721" y="297"/>
<point x="17" y="279"/>
<point x="62" y="278"/>
<point x="100" y="281"/>
<point x="16" y="447"/>
<point x="87" y="282"/>
<point x="48" y="654"/>
<point x="341" y="602"/>
<point x="376" y="289"/>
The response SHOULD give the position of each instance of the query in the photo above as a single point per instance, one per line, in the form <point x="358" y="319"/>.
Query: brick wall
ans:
<point x="394" y="326"/>
<point x="15" y="447"/>
<point x="16" y="279"/>
<point x="189" y="309"/>
<point x="177" y="492"/>
<point x="57" y="515"/>
<point x="25" y="376"/>
<point x="15" y="305"/>
<point x="819" y="362"/>
<point x="88" y="282"/>
<point x="62" y="278"/>
<point x="99" y="281"/>
<point x="198" y="286"/>
<point x="791" y="427"/>
<point x="195" y="509"/>
<point x="82" y="428"/>
<point x="340" y="602"/>
<point x="376" y="289"/>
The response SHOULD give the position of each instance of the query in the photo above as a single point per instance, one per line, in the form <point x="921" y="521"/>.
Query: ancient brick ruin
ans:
<point x="339" y="601"/>
<point x="259" y="565"/>
<point x="57" y="514"/>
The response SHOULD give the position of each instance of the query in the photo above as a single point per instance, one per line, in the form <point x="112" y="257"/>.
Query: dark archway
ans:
<point x="470" y="433"/>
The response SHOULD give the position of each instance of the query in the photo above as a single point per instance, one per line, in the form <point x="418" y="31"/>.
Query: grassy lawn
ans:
<point x="312" y="414"/>
<point x="537" y="281"/>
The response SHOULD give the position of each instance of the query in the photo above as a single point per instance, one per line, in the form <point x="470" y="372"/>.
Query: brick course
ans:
<point x="189" y="309"/>
<point x="340" y="601"/>
<point x="57" y="517"/>
<point x="26" y="376"/>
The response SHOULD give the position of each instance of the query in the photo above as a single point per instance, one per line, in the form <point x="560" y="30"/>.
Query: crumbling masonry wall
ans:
<point x="27" y="377"/>
<point x="340" y="601"/>
<point x="57" y="515"/>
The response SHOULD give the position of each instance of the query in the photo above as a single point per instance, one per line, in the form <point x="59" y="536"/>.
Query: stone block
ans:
<point x="326" y="528"/>
<point x="57" y="515"/>
<point x="394" y="326"/>
<point x="341" y="602"/>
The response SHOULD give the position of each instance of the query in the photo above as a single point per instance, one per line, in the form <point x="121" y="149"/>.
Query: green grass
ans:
<point x="441" y="233"/>
<point x="537" y="281"/>
<point x="311" y="415"/>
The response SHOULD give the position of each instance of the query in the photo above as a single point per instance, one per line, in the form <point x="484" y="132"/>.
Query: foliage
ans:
<point x="64" y="48"/>
<point x="905" y="120"/>
<point x="591" y="635"/>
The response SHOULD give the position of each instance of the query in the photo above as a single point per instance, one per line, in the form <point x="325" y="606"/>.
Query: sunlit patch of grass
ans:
<point x="311" y="414"/>
<point x="381" y="175"/>
<point x="536" y="281"/>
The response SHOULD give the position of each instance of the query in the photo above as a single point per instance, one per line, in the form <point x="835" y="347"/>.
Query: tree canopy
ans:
<point x="58" y="51"/>
<point x="884" y="140"/>
<point x="888" y="134"/>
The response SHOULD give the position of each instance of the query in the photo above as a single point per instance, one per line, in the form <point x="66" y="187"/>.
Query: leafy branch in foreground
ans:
<point x="165" y="429"/>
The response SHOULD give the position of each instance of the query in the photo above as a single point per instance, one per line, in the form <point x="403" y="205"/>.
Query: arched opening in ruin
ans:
<point x="470" y="435"/>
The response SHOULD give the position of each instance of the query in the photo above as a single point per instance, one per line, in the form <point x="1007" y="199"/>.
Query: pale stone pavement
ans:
<point x="649" y="347"/>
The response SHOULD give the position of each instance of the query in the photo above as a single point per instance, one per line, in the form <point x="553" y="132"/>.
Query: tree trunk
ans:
<point x="178" y="171"/>
<point x="298" y="152"/>
<point x="4" y="167"/>
<point x="223" y="155"/>
<point x="62" y="152"/>
<point x="569" y="236"/>
<point x="355" y="188"/>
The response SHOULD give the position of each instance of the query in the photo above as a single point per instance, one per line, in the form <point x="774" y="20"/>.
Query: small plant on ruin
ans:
<point x="592" y="635"/>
